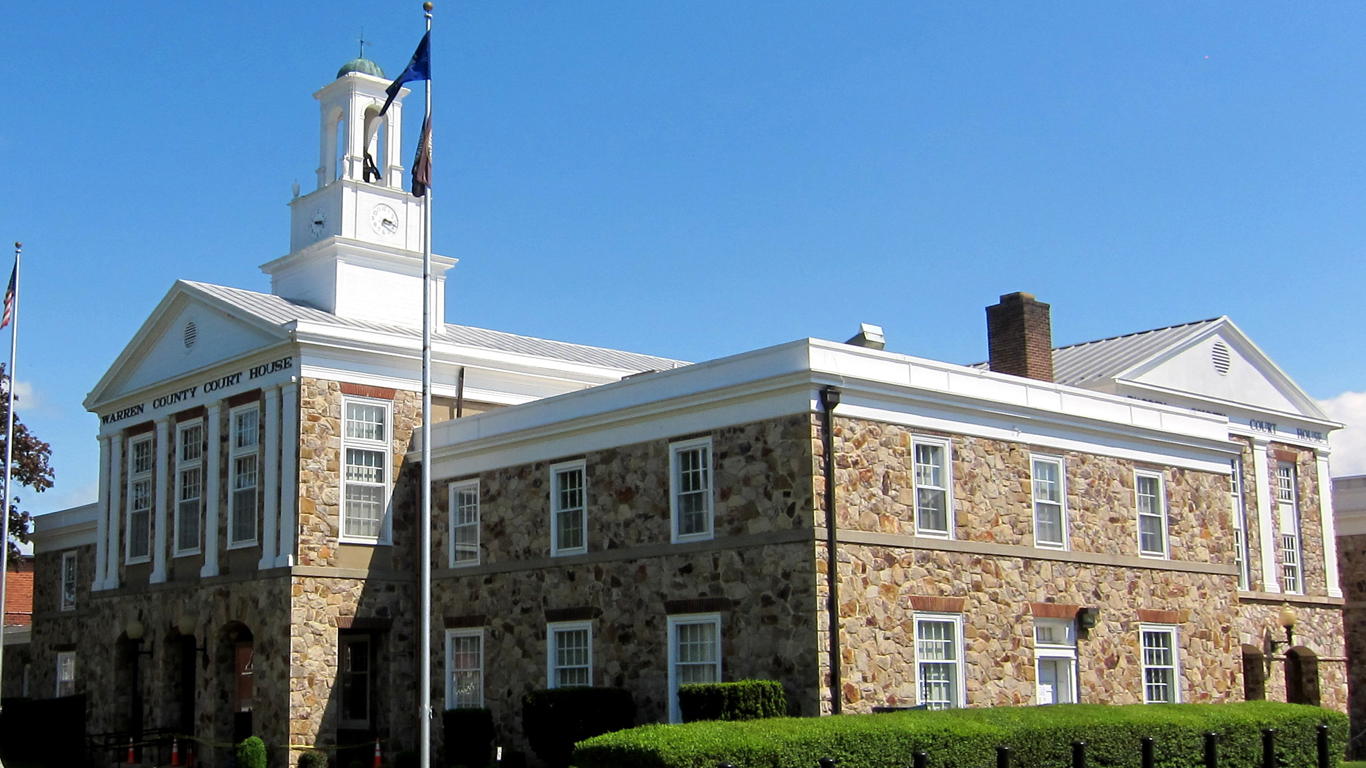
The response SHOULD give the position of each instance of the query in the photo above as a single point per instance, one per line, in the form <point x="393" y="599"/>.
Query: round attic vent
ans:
<point x="191" y="333"/>
<point x="1221" y="358"/>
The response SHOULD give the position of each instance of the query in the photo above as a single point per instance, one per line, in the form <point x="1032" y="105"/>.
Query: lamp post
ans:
<point x="134" y="629"/>
<point x="1286" y="619"/>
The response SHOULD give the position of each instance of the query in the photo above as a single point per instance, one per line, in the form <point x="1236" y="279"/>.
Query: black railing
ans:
<point x="152" y="745"/>
<point x="1147" y="750"/>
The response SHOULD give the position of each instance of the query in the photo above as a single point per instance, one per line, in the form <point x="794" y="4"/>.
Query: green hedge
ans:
<point x="468" y="735"/>
<point x="251" y="753"/>
<point x="555" y="720"/>
<point x="967" y="738"/>
<point x="743" y="700"/>
<point x="313" y="758"/>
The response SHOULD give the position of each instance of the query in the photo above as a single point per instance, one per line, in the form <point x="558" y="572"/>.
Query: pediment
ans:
<point x="1223" y="365"/>
<point x="187" y="332"/>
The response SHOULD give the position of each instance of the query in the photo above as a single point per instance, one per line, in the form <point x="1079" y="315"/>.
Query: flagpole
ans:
<point x="9" y="456"/>
<point x="425" y="610"/>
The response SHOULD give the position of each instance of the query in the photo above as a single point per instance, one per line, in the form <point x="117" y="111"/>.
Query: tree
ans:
<point x="31" y="468"/>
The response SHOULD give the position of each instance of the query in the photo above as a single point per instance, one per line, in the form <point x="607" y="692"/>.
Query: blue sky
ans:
<point x="697" y="179"/>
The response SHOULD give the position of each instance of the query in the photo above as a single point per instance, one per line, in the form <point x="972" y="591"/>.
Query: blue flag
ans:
<point x="419" y="68"/>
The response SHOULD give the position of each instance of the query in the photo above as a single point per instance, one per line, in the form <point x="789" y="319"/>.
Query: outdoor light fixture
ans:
<point x="134" y="630"/>
<point x="1287" y="620"/>
<point x="1087" y="618"/>
<point x="185" y="624"/>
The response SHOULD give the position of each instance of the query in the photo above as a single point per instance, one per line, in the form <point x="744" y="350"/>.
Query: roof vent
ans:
<point x="191" y="333"/>
<point x="1221" y="358"/>
<point x="869" y="336"/>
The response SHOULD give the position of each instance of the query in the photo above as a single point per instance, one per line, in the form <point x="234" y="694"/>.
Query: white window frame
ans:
<point x="675" y="489"/>
<point x="1054" y="650"/>
<point x="1162" y="507"/>
<point x="1291" y="538"/>
<point x="1171" y="630"/>
<point x="386" y="447"/>
<point x="674" y="622"/>
<point x="1061" y="466"/>
<point x="135" y="478"/>
<point x="71" y="577"/>
<point x="960" y="686"/>
<point x="552" y="648"/>
<point x="184" y="466"/>
<point x="236" y="452"/>
<point x="456" y="489"/>
<point x="343" y="642"/>
<point x="1242" y="555"/>
<point x="564" y="467"/>
<point x="947" y="453"/>
<point x="66" y="672"/>
<point x="451" y="635"/>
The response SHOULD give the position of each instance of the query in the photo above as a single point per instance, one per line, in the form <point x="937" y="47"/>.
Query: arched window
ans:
<point x="1301" y="676"/>
<point x="1254" y="673"/>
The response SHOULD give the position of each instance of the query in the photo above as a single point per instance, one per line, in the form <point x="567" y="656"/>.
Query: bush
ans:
<point x="251" y="753"/>
<point x="313" y="758"/>
<point x="745" y="700"/>
<point x="408" y="758"/>
<point x="555" y="720"/>
<point x="468" y="735"/>
<point x="967" y="738"/>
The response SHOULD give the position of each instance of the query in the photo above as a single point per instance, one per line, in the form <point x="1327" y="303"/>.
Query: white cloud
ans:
<point x="1348" y="443"/>
<point x="25" y="396"/>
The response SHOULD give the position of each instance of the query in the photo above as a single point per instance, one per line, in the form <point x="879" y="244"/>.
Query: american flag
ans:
<point x="9" y="298"/>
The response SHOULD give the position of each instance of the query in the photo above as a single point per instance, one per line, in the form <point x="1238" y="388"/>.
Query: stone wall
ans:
<point x="1352" y="559"/>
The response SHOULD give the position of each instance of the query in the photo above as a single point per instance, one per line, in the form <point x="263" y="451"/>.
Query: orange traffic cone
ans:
<point x="132" y="760"/>
<point x="175" y="751"/>
<point x="377" y="757"/>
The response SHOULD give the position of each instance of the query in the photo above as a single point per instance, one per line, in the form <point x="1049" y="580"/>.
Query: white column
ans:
<point x="1330" y="533"/>
<point x="102" y="517"/>
<point x="1261" y="469"/>
<point x="272" y="478"/>
<point x="111" y="557"/>
<point x="289" y="474"/>
<point x="160" y="513"/>
<point x="211" y="469"/>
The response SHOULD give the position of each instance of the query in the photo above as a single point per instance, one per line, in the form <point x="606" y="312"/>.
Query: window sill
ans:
<point x="364" y="542"/>
<point x="1053" y="547"/>
<point x="933" y="534"/>
<point x="137" y="560"/>
<point x="188" y="553"/>
<point x="708" y="536"/>
<point x="569" y="552"/>
<point x="464" y="563"/>
<point x="1153" y="556"/>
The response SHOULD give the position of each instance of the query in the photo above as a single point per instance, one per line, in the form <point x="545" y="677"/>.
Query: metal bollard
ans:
<point x="1211" y="749"/>
<point x="1323" y="746"/>
<point x="1003" y="757"/>
<point x="920" y="760"/>
<point x="1269" y="748"/>
<point x="1078" y="754"/>
<point x="1148" y="760"/>
<point x="726" y="765"/>
<point x="827" y="762"/>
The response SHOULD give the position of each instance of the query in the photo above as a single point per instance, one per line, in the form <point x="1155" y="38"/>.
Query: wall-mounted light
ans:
<point x="1087" y="618"/>
<point x="134" y="630"/>
<point x="1286" y="619"/>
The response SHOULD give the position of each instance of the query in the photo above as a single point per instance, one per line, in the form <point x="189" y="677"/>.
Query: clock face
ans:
<point x="318" y="223"/>
<point x="384" y="220"/>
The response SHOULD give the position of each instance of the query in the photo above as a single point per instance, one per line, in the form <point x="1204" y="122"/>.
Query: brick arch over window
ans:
<point x="1254" y="673"/>
<point x="1301" y="676"/>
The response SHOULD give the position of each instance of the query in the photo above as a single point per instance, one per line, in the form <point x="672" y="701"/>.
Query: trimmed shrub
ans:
<point x="468" y="737"/>
<point x="555" y="720"/>
<point x="743" y="700"/>
<point x="251" y="753"/>
<point x="313" y="758"/>
<point x="967" y="738"/>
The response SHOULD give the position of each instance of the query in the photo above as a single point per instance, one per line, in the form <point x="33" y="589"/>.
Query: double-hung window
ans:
<point x="140" y="499"/>
<point x="66" y="673"/>
<point x="1055" y="658"/>
<point x="931" y="476"/>
<point x="690" y="489"/>
<point x="244" y="461"/>
<point x="366" y="446"/>
<point x="570" y="654"/>
<point x="465" y="523"/>
<point x="68" y="581"/>
<point x="189" y="490"/>
<point x="355" y="680"/>
<point x="939" y="659"/>
<point x="1161" y="671"/>
<point x="1287" y="502"/>
<point x="1152" y="514"/>
<point x="1241" y="556"/>
<point x="465" y="668"/>
<point x="694" y="654"/>
<point x="1050" y="508"/>
<point x="568" y="509"/>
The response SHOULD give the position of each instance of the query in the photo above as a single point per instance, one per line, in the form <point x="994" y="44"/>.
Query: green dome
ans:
<point x="363" y="66"/>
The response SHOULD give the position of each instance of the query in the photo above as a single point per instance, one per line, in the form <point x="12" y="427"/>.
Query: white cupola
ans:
<point x="356" y="241"/>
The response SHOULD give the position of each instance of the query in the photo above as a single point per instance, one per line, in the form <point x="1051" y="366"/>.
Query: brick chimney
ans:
<point x="1020" y="337"/>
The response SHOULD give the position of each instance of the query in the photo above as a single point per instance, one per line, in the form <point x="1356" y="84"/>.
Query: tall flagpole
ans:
<point x="9" y="454"/>
<point x="425" y="609"/>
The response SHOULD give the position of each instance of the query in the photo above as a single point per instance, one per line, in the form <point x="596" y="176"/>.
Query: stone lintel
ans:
<point x="937" y="604"/>
<point x="365" y="390"/>
<point x="371" y="623"/>
<point x="580" y="613"/>
<point x="697" y="605"/>
<point x="1155" y="616"/>
<point x="467" y="621"/>
<point x="1054" y="610"/>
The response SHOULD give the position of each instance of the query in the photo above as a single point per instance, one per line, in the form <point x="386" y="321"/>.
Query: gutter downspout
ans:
<point x="830" y="397"/>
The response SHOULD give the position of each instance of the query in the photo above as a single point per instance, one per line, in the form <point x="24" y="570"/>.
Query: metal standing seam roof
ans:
<point x="280" y="311"/>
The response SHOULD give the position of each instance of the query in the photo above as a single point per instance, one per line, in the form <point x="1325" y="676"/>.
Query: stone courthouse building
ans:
<point x="1121" y="521"/>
